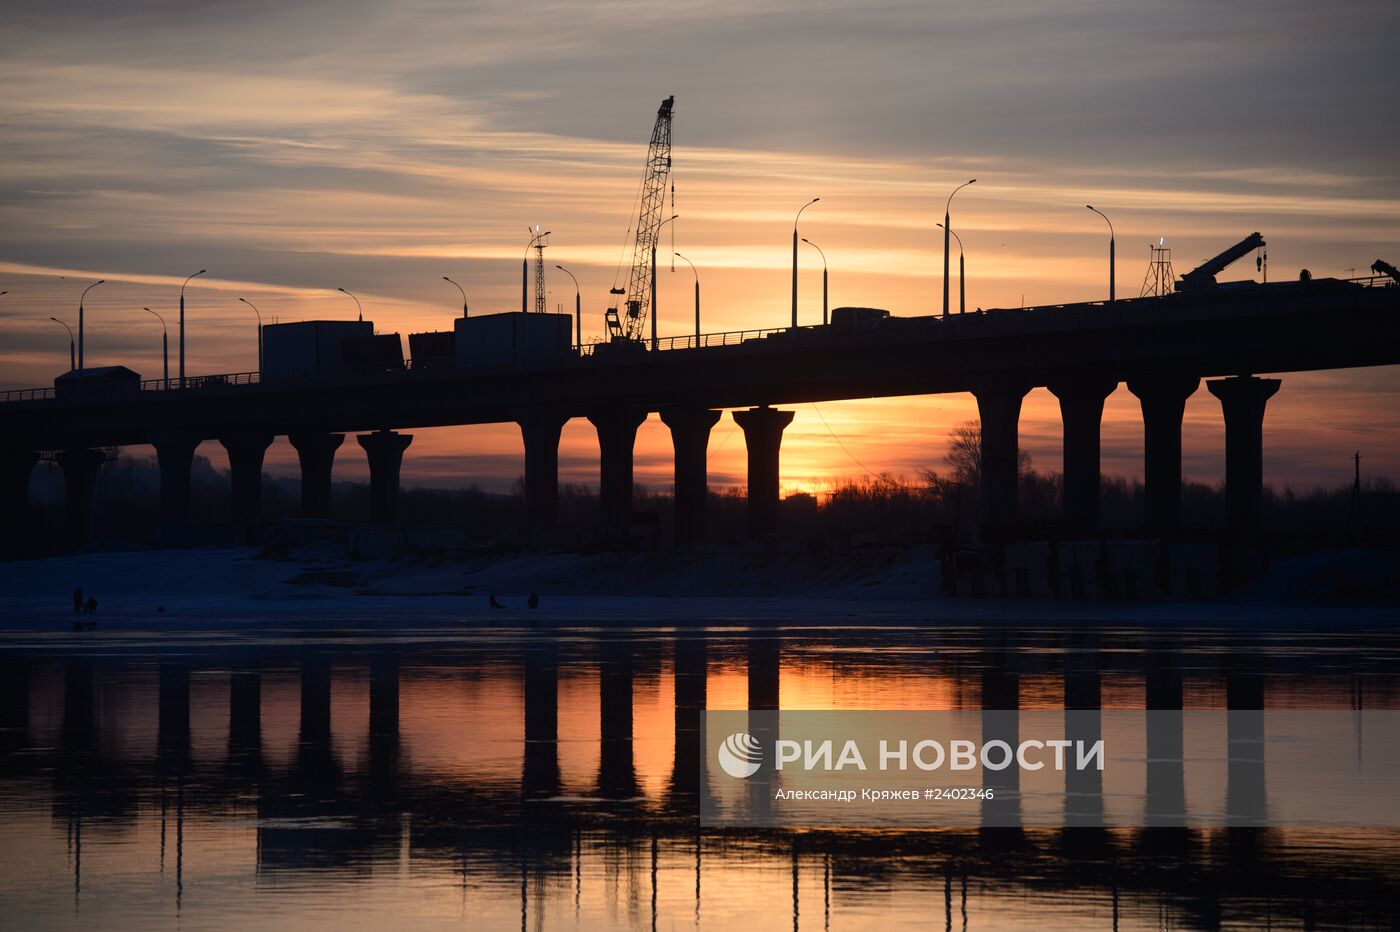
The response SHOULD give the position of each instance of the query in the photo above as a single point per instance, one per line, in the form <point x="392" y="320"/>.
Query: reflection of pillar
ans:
<point x="1243" y="400"/>
<point x="999" y="411"/>
<point x="245" y="712"/>
<point x="78" y="730"/>
<point x="1245" y="799"/>
<point x="690" y="435"/>
<point x="1083" y="725"/>
<point x="617" y="777"/>
<point x="16" y="469"/>
<point x="317" y="770"/>
<point x="690" y="675"/>
<point x="316" y="451"/>
<point x="175" y="456"/>
<point x="1166" y="777"/>
<point x="763" y="435"/>
<point x="765" y="673"/>
<point x="80" y="468"/>
<point x="617" y="434"/>
<point x="541" y="687"/>
<point x="173" y="718"/>
<point x="1081" y="410"/>
<point x="1001" y="720"/>
<point x="540" y="432"/>
<point x="384" y="450"/>
<point x="245" y="462"/>
<point x="384" y="722"/>
<point x="1163" y="398"/>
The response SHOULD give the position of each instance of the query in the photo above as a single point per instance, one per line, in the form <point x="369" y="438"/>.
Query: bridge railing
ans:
<point x="25" y="394"/>
<point x="705" y="340"/>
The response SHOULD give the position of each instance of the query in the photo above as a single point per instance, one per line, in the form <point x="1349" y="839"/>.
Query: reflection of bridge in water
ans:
<point x="319" y="809"/>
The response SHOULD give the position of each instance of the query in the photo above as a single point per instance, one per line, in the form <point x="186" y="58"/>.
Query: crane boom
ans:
<point x="1203" y="276"/>
<point x="1381" y="267"/>
<point x="627" y="324"/>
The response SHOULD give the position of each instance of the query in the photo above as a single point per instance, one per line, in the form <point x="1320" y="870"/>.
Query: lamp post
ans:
<point x="962" y="274"/>
<point x="80" y="320"/>
<point x="260" y="334"/>
<point x="654" y="304"/>
<point x="697" y="297"/>
<point x="794" y="258"/>
<point x="464" y="295"/>
<point x="182" y="326"/>
<point x="358" y="309"/>
<point x="578" y="308"/>
<point x="72" y="359"/>
<point x="823" y="255"/>
<point x="947" y="209"/>
<point x="164" y="348"/>
<point x="1112" y="263"/>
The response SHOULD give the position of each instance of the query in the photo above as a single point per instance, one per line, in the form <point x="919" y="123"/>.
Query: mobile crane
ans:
<point x="625" y="324"/>
<point x="1202" y="276"/>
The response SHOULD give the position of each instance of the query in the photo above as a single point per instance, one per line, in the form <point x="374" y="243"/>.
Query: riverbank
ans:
<point x="246" y="587"/>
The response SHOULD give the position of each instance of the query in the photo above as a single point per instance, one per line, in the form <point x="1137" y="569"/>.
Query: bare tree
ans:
<point x="964" y="456"/>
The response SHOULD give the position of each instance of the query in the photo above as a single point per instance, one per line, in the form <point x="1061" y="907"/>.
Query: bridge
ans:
<point x="1162" y="347"/>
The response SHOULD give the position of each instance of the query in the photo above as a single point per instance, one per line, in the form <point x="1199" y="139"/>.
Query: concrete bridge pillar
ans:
<point x="763" y="435"/>
<point x="384" y="450"/>
<point x="317" y="454"/>
<point x="540" y="433"/>
<point x="245" y="462"/>
<point x="79" y="480"/>
<point x="1081" y="410"/>
<point x="16" y="468"/>
<point x="617" y="433"/>
<point x="1243" y="400"/>
<point x="690" y="434"/>
<point x="175" y="456"/>
<point x="999" y="410"/>
<point x="1163" y="398"/>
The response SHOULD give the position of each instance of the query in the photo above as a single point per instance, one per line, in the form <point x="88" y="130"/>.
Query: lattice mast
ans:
<point x="541" y="241"/>
<point x="627" y="324"/>
<point x="1160" y="278"/>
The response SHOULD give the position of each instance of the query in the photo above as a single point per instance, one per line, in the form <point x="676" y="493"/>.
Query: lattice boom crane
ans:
<point x="626" y="324"/>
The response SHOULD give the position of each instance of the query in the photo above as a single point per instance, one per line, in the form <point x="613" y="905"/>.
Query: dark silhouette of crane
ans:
<point x="1381" y="267"/>
<point x="626" y="325"/>
<point x="1203" y="275"/>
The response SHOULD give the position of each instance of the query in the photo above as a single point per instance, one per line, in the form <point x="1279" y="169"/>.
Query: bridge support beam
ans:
<point x="317" y="454"/>
<point x="1081" y="411"/>
<point x="1163" y="398"/>
<point x="245" y="462"/>
<point x="16" y="469"/>
<point x="763" y="435"/>
<point x="690" y="435"/>
<point x="999" y="410"/>
<point x="175" y="456"/>
<point x="384" y="450"/>
<point x="1243" y="400"/>
<point x="540" y="432"/>
<point x="617" y="434"/>
<point x="80" y="468"/>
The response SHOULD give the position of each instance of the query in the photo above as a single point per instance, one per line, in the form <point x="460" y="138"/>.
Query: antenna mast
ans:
<point x="1160" y="279"/>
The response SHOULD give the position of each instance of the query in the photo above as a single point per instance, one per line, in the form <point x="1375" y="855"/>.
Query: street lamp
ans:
<point x="794" y="258"/>
<point x="654" y="311"/>
<point x="260" y="334"/>
<point x="80" y="320"/>
<point x="697" y="297"/>
<point x="182" y="327"/>
<point x="962" y="274"/>
<point x="947" y="208"/>
<point x="535" y="235"/>
<point x="464" y="295"/>
<point x="72" y="360"/>
<point x="164" y="347"/>
<point x="1111" y="261"/>
<point x="823" y="255"/>
<point x="578" y="308"/>
<point x="358" y="309"/>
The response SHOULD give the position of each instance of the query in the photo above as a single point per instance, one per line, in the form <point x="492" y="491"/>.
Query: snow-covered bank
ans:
<point x="243" y="587"/>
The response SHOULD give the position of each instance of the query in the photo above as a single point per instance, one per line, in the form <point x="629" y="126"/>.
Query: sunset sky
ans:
<point x="292" y="149"/>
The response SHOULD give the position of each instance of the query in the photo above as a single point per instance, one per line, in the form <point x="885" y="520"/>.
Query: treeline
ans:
<point x="935" y="507"/>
